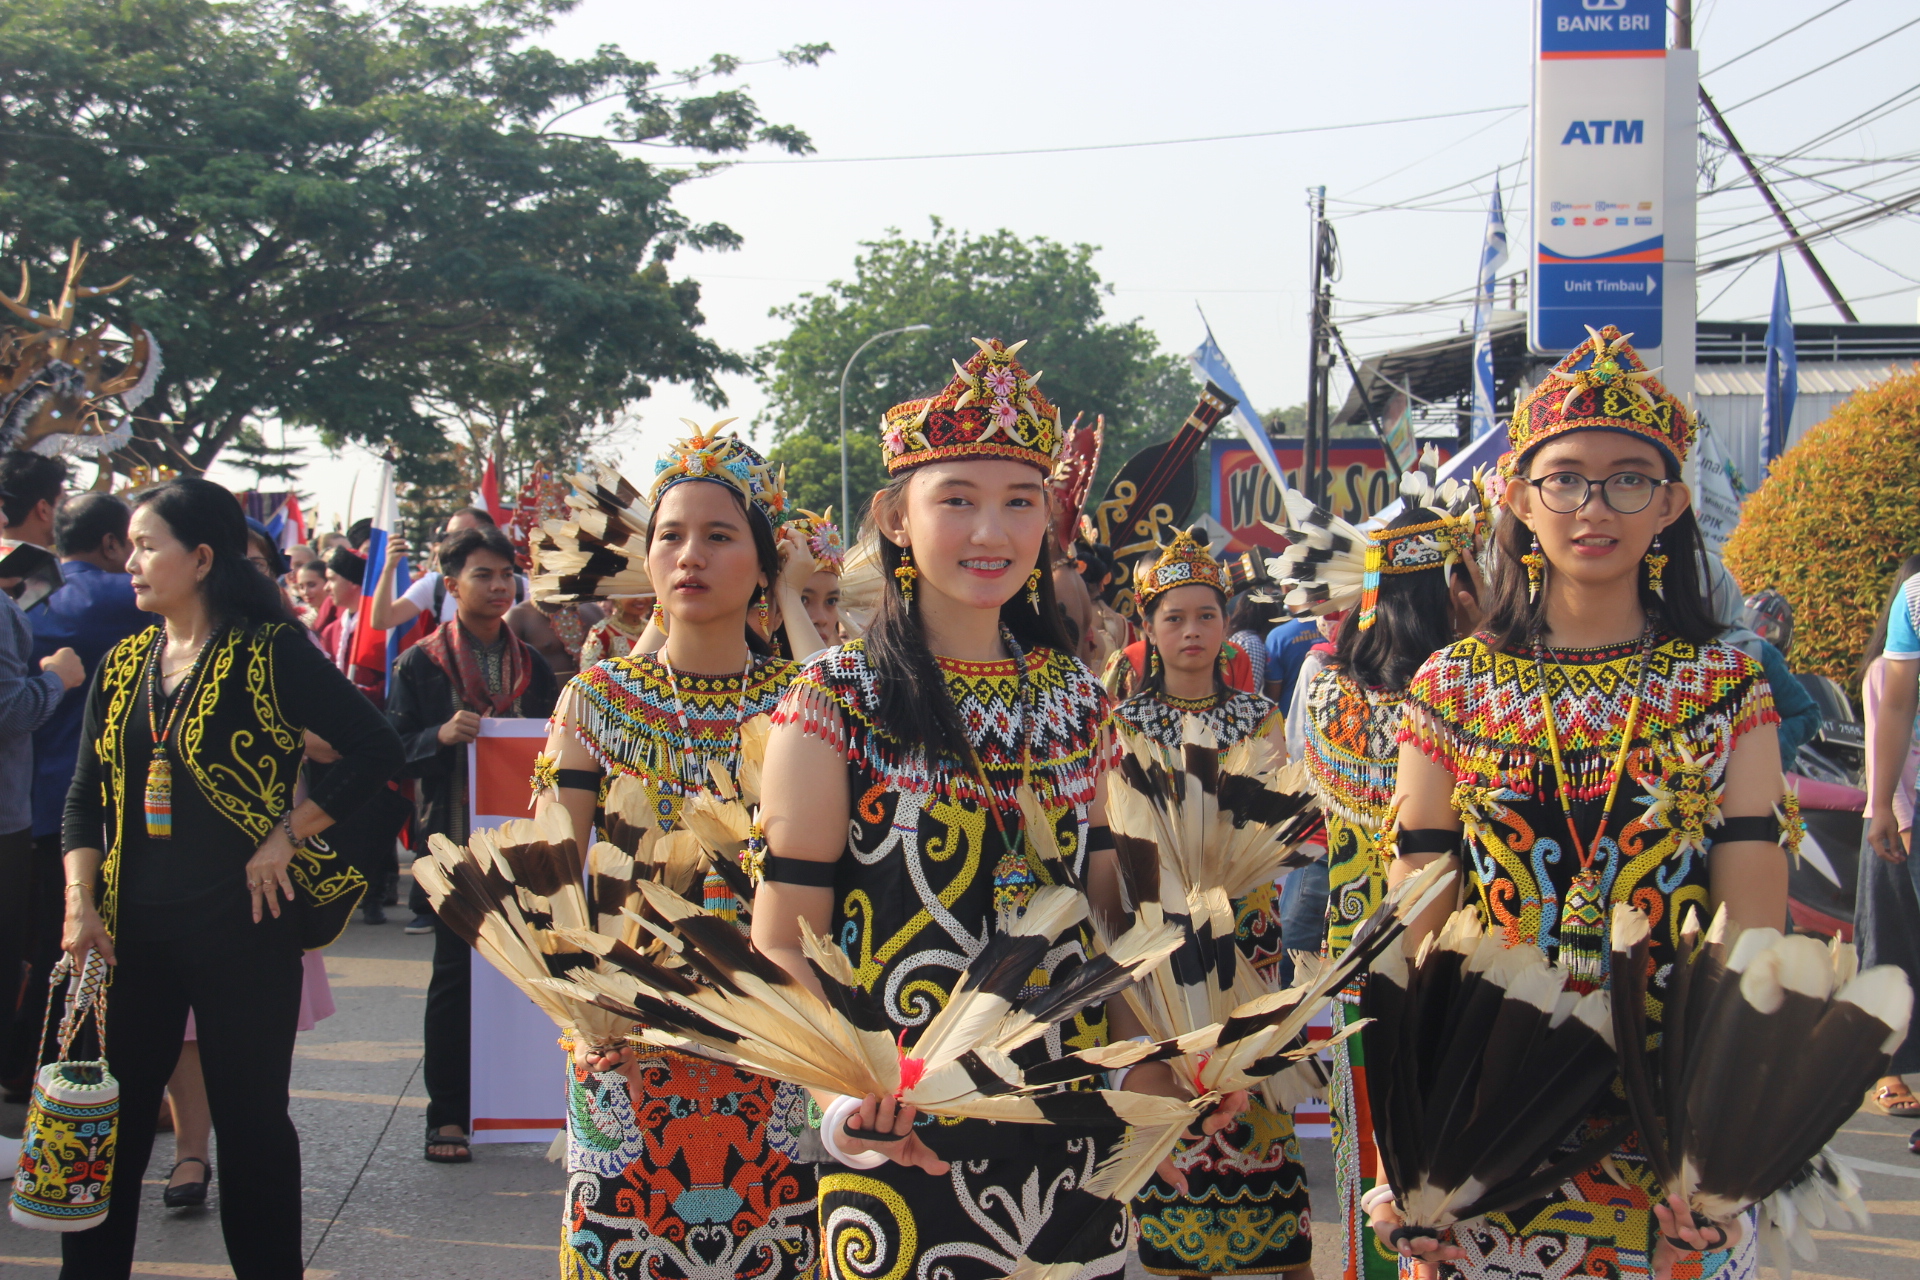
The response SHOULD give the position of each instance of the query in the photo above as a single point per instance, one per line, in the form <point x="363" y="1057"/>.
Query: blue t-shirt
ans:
<point x="1287" y="646"/>
<point x="1903" y="626"/>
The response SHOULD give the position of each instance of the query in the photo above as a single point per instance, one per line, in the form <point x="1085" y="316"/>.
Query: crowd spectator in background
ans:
<point x="428" y="594"/>
<point x="1246" y="627"/>
<point x="29" y="694"/>
<point x="1799" y="713"/>
<point x="32" y="486"/>
<point x="346" y="571"/>
<point x="473" y="666"/>
<point x="1287" y="647"/>
<point x="92" y="611"/>
<point x="1886" y="908"/>
<point x="310" y="589"/>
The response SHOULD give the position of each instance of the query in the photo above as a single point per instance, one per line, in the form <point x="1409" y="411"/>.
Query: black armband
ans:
<point x="800" y="871"/>
<point x="578" y="779"/>
<point x="1763" y="827"/>
<point x="1412" y="840"/>
<point x="1099" y="838"/>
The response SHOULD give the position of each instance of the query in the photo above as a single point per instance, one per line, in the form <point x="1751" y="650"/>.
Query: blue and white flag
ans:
<point x="1783" y="370"/>
<point x="1211" y="363"/>
<point x="1493" y="254"/>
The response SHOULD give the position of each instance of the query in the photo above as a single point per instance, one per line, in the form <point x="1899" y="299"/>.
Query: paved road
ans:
<point x="374" y="1209"/>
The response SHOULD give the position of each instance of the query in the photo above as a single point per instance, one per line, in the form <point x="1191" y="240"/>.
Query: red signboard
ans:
<point x="1358" y="482"/>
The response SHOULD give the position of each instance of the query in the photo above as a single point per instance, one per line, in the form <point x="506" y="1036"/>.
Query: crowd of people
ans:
<point x="1537" y="678"/>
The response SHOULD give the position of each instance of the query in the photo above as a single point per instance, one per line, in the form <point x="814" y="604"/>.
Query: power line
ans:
<point x="1891" y="208"/>
<point x="1106" y="146"/>
<point x="1823" y="66"/>
<point x="1773" y="39"/>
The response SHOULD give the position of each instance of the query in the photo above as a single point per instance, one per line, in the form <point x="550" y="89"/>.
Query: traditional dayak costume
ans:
<point x="1352" y="755"/>
<point x="934" y="853"/>
<point x="1245" y="1210"/>
<point x="697" y="1172"/>
<point x="1587" y="778"/>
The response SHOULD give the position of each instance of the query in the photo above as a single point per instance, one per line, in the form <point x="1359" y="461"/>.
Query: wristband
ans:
<point x="1117" y="1078"/>
<point x="286" y="825"/>
<point x="1374" y="1197"/>
<point x="832" y="1123"/>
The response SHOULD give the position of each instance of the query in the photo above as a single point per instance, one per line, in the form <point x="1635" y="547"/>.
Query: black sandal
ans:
<point x="188" y="1195"/>
<point x="460" y="1140"/>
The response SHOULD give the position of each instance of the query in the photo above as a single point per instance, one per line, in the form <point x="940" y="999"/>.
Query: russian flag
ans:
<point x="374" y="650"/>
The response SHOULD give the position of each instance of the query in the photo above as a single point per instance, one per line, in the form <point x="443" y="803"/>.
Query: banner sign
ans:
<point x="1599" y="161"/>
<point x="1358" y="484"/>
<point x="519" y="1069"/>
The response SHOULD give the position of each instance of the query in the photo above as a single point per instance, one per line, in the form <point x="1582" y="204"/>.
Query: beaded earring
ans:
<point x="1033" y="588"/>
<point x="1657" y="569"/>
<point x="659" y="615"/>
<point x="766" y="615"/>
<point x="905" y="573"/>
<point x="1153" y="660"/>
<point x="1536" y="569"/>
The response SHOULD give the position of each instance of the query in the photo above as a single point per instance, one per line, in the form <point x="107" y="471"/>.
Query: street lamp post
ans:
<point x="846" y="520"/>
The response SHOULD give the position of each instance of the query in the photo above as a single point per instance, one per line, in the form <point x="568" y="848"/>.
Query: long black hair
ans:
<point x="1513" y="622"/>
<point x="1412" y="620"/>
<point x="1156" y="677"/>
<point x="201" y="513"/>
<point x="1877" y="642"/>
<point x="914" y="703"/>
<point x="764" y="548"/>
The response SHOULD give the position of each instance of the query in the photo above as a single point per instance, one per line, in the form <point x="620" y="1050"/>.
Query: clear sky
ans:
<point x="1224" y="224"/>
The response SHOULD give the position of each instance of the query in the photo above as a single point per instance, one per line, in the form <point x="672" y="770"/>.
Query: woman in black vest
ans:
<point x="208" y="892"/>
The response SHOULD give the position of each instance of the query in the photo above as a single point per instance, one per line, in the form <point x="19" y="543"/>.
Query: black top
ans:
<point x="203" y="861"/>
<point x="419" y="700"/>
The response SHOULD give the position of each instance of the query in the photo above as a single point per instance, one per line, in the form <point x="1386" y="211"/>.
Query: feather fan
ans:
<point x="1754" y="1021"/>
<point x="602" y="551"/>
<point x="751" y="1012"/>
<point x="515" y="894"/>
<point x="862" y="581"/>
<point x="1481" y="1063"/>
<point x="1256" y="1041"/>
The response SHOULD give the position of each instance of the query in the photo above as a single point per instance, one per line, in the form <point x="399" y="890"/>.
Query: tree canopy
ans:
<point x="990" y="286"/>
<point x="370" y="220"/>
<point x="1836" y="515"/>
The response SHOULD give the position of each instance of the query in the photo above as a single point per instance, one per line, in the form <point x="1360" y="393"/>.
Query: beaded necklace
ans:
<point x="680" y="714"/>
<point x="158" y="802"/>
<point x="1023" y="695"/>
<point x="1583" y="922"/>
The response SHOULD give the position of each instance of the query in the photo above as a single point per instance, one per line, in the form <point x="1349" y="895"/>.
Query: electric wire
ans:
<point x="1775" y="39"/>
<point x="1765" y="93"/>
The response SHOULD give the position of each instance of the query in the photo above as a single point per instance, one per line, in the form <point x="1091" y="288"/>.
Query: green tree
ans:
<point x="991" y="286"/>
<point x="1290" y="421"/>
<point x="335" y="214"/>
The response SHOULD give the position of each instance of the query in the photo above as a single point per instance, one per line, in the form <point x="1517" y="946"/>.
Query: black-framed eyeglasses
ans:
<point x="1565" y="492"/>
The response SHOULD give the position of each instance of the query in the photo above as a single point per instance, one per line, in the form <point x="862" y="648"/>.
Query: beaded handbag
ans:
<point x="66" y="1154"/>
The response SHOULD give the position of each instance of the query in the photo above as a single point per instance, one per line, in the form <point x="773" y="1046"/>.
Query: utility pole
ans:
<point x="1766" y="193"/>
<point x="1314" y="454"/>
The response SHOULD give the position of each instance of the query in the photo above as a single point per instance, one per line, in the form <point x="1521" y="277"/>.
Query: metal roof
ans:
<point x="1815" y="377"/>
<point x="1439" y="371"/>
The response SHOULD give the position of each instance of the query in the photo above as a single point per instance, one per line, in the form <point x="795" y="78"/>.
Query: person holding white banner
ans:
<point x="472" y="666"/>
<point x="679" y="1165"/>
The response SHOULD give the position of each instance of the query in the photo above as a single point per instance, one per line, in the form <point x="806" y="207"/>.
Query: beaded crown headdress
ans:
<point x="991" y="409"/>
<point x="823" y="538"/>
<point x="726" y="459"/>
<point x="1183" y="562"/>
<point x="1613" y="391"/>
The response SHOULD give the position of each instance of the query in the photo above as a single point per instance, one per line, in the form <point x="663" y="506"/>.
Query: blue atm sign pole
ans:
<point x="1599" y="160"/>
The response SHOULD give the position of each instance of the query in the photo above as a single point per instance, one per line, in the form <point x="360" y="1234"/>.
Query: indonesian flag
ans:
<point x="488" y="495"/>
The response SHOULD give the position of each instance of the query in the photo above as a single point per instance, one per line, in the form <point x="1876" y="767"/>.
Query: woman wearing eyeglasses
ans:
<point x="1598" y="747"/>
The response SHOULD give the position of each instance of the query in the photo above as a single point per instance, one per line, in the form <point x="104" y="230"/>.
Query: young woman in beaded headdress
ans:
<point x="679" y="1165"/>
<point x="1597" y="747"/>
<point x="1418" y="597"/>
<point x="892" y="827"/>
<point x="1244" y="1210"/>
